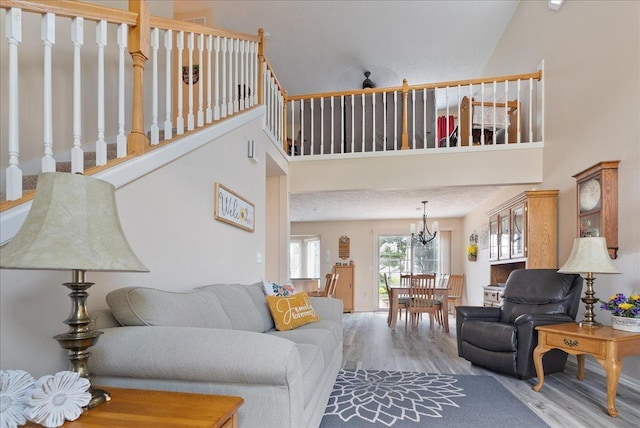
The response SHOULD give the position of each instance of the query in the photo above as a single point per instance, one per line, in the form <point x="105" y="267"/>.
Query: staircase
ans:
<point x="29" y="182"/>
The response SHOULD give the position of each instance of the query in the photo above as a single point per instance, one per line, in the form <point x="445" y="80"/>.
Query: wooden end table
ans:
<point x="159" y="409"/>
<point x="607" y="345"/>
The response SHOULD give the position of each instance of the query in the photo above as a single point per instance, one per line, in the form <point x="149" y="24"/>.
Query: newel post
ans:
<point x="405" y="122"/>
<point x="139" y="47"/>
<point x="261" y="66"/>
<point x="284" y="121"/>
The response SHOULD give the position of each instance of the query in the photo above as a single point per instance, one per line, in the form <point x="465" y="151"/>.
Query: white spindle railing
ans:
<point x="121" y="138"/>
<point x="77" y="38"/>
<point x="155" y="45"/>
<point x="14" y="37"/>
<point x="101" y="144"/>
<point x="48" y="40"/>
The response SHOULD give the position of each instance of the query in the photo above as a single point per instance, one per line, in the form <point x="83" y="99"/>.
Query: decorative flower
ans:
<point x="15" y="386"/>
<point x="383" y="397"/>
<point x="59" y="397"/>
<point x="472" y="250"/>
<point x="621" y="306"/>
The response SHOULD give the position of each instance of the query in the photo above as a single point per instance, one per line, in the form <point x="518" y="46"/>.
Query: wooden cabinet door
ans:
<point x="518" y="229"/>
<point x="504" y="238"/>
<point x="344" y="288"/>
<point x="493" y="238"/>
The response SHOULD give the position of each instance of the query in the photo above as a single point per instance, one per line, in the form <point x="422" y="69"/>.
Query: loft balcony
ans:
<point x="89" y="88"/>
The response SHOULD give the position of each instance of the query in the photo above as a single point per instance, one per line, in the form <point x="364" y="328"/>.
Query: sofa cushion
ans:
<point x="292" y="311"/>
<point x="324" y="339"/>
<point x="239" y="304"/>
<point x="313" y="368"/>
<point x="504" y="337"/>
<point x="133" y="306"/>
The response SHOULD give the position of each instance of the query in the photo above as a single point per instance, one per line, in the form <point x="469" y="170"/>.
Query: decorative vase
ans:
<point x="472" y="257"/>
<point x="626" y="324"/>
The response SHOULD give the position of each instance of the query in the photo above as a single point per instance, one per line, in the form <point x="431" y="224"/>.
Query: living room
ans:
<point x="592" y="108"/>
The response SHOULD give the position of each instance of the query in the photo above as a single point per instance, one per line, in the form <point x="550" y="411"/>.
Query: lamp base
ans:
<point x="589" y="324"/>
<point x="80" y="336"/>
<point x="589" y="300"/>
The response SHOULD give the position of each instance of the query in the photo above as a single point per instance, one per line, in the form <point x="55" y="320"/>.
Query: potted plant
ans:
<point x="625" y="311"/>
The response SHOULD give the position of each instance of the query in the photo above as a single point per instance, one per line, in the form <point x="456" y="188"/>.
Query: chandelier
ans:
<point x="424" y="236"/>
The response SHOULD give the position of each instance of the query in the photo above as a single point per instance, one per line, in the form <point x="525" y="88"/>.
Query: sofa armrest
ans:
<point x="328" y="308"/>
<point x="196" y="354"/>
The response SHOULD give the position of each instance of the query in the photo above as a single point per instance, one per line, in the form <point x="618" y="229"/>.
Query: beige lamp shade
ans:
<point x="73" y="224"/>
<point x="589" y="255"/>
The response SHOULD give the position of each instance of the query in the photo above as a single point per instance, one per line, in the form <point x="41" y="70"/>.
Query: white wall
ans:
<point x="592" y="67"/>
<point x="168" y="219"/>
<point x="363" y="239"/>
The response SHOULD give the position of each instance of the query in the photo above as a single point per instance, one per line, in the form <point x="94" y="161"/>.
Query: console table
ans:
<point x="160" y="409"/>
<point x="607" y="345"/>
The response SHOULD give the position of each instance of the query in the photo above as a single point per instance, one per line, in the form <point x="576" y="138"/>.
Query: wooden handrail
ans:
<point x="190" y="27"/>
<point x="537" y="76"/>
<point x="72" y="9"/>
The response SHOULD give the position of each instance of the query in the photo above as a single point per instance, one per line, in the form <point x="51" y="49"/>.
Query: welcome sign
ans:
<point x="233" y="209"/>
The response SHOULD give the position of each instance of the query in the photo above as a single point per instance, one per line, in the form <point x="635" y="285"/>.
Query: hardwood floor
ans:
<point x="563" y="402"/>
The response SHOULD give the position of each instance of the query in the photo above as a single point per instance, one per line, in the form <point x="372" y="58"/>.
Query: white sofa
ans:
<point x="220" y="339"/>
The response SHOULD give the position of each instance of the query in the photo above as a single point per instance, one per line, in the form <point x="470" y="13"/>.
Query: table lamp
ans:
<point x="589" y="255"/>
<point x="73" y="225"/>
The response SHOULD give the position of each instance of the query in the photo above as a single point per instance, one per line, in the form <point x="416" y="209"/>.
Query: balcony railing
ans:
<point x="145" y="81"/>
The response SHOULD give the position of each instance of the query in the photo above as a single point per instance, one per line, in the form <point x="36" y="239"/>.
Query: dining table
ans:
<point x="397" y="291"/>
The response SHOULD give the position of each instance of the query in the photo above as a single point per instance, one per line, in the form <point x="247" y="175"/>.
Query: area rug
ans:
<point x="366" y="398"/>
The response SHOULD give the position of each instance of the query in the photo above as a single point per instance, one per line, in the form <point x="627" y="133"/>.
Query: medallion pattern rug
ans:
<point x="365" y="398"/>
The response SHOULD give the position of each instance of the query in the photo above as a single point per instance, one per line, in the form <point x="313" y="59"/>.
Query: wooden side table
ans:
<point x="607" y="345"/>
<point x="160" y="409"/>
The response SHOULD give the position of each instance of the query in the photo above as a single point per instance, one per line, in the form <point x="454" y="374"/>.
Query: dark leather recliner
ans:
<point x="503" y="339"/>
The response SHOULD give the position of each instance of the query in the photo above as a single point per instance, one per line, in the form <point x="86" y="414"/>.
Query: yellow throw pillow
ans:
<point x="291" y="311"/>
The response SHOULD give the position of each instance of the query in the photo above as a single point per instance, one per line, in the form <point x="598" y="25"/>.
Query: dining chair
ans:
<point x="422" y="299"/>
<point x="443" y="282"/>
<point x="403" y="302"/>
<point x="329" y="287"/>
<point x="456" y="288"/>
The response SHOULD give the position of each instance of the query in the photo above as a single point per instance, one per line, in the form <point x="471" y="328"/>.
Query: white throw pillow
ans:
<point x="275" y="289"/>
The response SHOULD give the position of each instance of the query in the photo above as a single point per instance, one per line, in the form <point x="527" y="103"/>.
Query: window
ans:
<point x="304" y="256"/>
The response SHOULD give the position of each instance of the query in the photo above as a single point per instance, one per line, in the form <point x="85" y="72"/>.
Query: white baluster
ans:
<point x="353" y="123"/>
<point x="190" y="116"/>
<point x="200" y="81"/>
<point x="14" y="38"/>
<point x="301" y="127"/>
<point x="343" y="119"/>
<point x="216" y="76"/>
<point x="168" y="46"/>
<point x="373" y="122"/>
<point x="101" y="41"/>
<point x="495" y="108"/>
<point x="384" y="121"/>
<point x="312" y="103"/>
<point x="235" y="87"/>
<point x="247" y="74"/>
<point x="293" y="129"/>
<point x="506" y="112"/>
<point x="255" y="73"/>
<point x="424" y="117"/>
<point x="180" y="118"/>
<point x="77" y="38"/>
<point x="413" y="118"/>
<point x="224" y="77"/>
<point x="446" y="94"/>
<point x="362" y="141"/>
<point x="155" y="45"/>
<point x="322" y="144"/>
<point x="333" y="124"/>
<point x="519" y="136"/>
<point x="459" y="139"/>
<point x="530" y="110"/>
<point x="48" y="40"/>
<point x="209" y="112"/>
<point x="470" y="127"/>
<point x="395" y="120"/>
<point x="242" y="88"/>
<point x="230" y="48"/>
<point x="121" y="139"/>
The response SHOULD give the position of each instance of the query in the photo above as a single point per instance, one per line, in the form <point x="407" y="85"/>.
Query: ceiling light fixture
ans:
<point x="367" y="83"/>
<point x="424" y="235"/>
<point x="555" y="4"/>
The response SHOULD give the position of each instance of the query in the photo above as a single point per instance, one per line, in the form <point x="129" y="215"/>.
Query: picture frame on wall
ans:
<point x="233" y="209"/>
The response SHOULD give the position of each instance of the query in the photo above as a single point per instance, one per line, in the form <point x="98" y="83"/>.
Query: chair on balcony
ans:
<point x="329" y="287"/>
<point x="503" y="339"/>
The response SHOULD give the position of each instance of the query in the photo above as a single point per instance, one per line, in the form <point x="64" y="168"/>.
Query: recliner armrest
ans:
<point x="542" y="319"/>
<point x="484" y="313"/>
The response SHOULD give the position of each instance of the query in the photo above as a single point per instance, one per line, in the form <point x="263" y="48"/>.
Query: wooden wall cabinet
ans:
<point x="523" y="234"/>
<point x="345" y="286"/>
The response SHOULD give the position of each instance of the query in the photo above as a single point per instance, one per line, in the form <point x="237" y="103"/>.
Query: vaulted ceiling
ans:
<point x="320" y="46"/>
